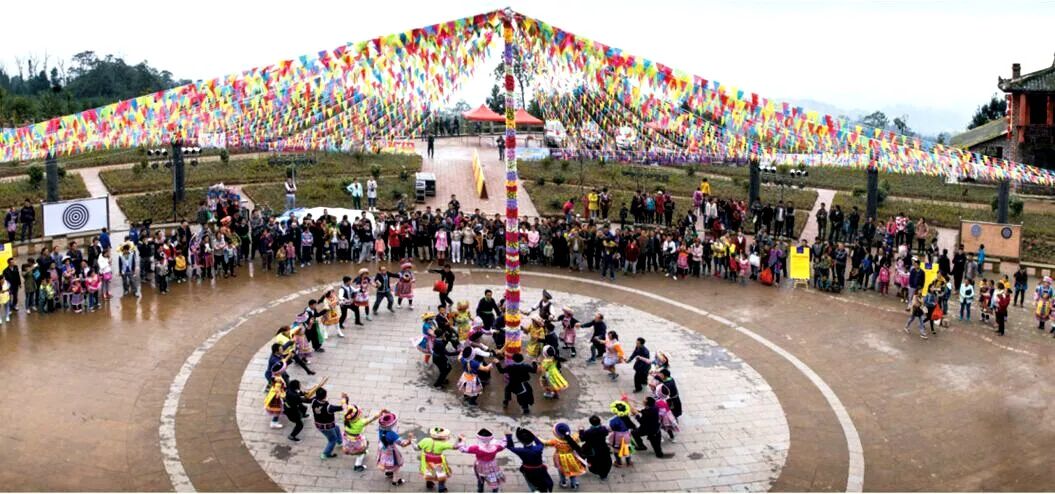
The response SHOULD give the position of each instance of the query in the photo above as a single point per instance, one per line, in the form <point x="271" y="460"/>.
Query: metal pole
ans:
<point x="1003" y="195"/>
<point x="755" y="183"/>
<point x="512" y="293"/>
<point x="872" y="205"/>
<point x="52" y="170"/>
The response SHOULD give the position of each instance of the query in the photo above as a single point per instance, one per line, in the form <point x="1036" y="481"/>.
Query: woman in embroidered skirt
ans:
<point x="470" y="384"/>
<point x="551" y="380"/>
<point x="462" y="319"/>
<point x="613" y="354"/>
<point x="434" y="467"/>
<point x="330" y="314"/>
<point x="485" y="467"/>
<point x="567" y="457"/>
<point x="667" y="421"/>
<point x="568" y="322"/>
<point x="389" y="458"/>
<point x="361" y="297"/>
<point x="276" y="394"/>
<point x="405" y="285"/>
<point x="355" y="442"/>
<point x="536" y="332"/>
<point x="428" y="335"/>
<point x="621" y="441"/>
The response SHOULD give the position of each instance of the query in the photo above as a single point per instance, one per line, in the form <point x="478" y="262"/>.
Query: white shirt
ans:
<point x="291" y="188"/>
<point x="669" y="247"/>
<point x="371" y="189"/>
<point x="104" y="265"/>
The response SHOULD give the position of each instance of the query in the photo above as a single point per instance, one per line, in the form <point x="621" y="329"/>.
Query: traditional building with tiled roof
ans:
<point x="1030" y="115"/>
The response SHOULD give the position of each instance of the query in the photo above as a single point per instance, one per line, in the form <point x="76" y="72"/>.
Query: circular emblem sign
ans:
<point x="75" y="216"/>
<point x="976" y="230"/>
<point x="1006" y="232"/>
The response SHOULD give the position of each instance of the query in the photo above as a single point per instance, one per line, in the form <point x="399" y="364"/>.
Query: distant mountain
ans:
<point x="928" y="122"/>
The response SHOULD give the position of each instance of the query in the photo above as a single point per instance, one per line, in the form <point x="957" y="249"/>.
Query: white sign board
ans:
<point x="82" y="215"/>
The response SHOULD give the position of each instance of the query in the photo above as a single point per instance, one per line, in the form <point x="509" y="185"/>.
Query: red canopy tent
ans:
<point x="483" y="114"/>
<point x="525" y="118"/>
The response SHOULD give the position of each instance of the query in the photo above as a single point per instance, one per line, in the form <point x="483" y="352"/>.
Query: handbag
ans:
<point x="766" y="277"/>
<point x="440" y="286"/>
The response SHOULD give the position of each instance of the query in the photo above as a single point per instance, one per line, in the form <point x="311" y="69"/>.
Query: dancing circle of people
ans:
<point x="517" y="353"/>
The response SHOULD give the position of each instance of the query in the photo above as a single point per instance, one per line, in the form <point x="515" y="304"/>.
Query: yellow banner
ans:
<point x="799" y="266"/>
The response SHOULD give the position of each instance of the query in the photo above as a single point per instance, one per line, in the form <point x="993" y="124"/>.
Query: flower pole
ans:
<point x="512" y="295"/>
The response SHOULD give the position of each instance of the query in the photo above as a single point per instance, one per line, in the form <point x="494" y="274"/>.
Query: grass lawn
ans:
<point x="901" y="184"/>
<point x="1038" y="228"/>
<point x="97" y="158"/>
<point x="258" y="170"/>
<point x="157" y="206"/>
<point x="329" y="192"/>
<point x="628" y="178"/>
<point x="13" y="194"/>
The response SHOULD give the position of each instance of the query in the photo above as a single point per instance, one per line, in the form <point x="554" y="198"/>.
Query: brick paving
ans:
<point x="734" y="433"/>
<point x="963" y="411"/>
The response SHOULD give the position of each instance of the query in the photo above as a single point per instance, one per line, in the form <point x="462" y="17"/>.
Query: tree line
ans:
<point x="39" y="89"/>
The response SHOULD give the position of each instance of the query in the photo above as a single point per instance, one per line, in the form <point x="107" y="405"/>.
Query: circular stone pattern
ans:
<point x="734" y="436"/>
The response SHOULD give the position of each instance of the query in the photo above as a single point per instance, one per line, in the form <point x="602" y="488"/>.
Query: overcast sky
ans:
<point x="936" y="60"/>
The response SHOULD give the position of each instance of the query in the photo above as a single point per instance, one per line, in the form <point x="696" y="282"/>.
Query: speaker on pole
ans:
<point x="51" y="166"/>
<point x="872" y="192"/>
<point x="1003" y="195"/>
<point x="755" y="184"/>
<point x="178" y="173"/>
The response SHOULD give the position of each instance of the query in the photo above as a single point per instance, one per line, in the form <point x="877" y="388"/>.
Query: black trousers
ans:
<point x="601" y="463"/>
<point x="525" y="398"/>
<point x="355" y="310"/>
<point x="596" y="350"/>
<point x="640" y="379"/>
<point x="313" y="336"/>
<point x="296" y="417"/>
<point x="344" y="316"/>
<point x="444" y="368"/>
<point x="1001" y="319"/>
<point x="655" y="440"/>
<point x="537" y="477"/>
<point x="445" y="299"/>
<point x="300" y="362"/>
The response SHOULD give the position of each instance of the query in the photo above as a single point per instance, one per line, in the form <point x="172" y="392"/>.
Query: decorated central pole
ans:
<point x="512" y="295"/>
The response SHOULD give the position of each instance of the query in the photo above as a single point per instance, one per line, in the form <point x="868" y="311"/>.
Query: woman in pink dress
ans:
<point x="441" y="245"/>
<point x="485" y="467"/>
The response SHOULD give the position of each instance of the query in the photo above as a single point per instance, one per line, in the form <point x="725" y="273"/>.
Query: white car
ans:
<point x="626" y="138"/>
<point x="555" y="134"/>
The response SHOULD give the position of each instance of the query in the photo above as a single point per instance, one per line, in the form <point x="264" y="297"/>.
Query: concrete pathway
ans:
<point x="452" y="165"/>
<point x="824" y="196"/>
<point x="96" y="188"/>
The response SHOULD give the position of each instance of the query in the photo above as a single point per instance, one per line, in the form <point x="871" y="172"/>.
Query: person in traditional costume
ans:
<point x="303" y="343"/>
<point x="330" y="314"/>
<point x="519" y="382"/>
<point x="276" y="393"/>
<point x="667" y="421"/>
<point x="486" y="466"/>
<point x="354" y="424"/>
<point x="469" y="384"/>
<point x="462" y="319"/>
<point x="434" y="467"/>
<point x="536" y="332"/>
<point x="428" y="334"/>
<point x="673" y="398"/>
<point x="613" y="354"/>
<point x="621" y="440"/>
<point x="544" y="306"/>
<point x="361" y="296"/>
<point x="389" y="458"/>
<point x="480" y="352"/>
<point x="567" y="321"/>
<point x="325" y="418"/>
<point x="405" y="285"/>
<point x="567" y="457"/>
<point x="1042" y="311"/>
<point x="595" y="446"/>
<point x="551" y="380"/>
<point x="532" y="467"/>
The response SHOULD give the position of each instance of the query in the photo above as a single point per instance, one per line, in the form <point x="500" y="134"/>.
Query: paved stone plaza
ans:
<point x="163" y="393"/>
<point x="734" y="435"/>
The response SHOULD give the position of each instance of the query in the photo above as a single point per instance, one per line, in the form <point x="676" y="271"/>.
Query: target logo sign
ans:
<point x="75" y="216"/>
<point x="82" y="215"/>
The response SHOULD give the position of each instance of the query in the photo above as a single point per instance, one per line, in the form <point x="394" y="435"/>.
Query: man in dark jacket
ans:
<point x="27" y="216"/>
<point x="519" y="373"/>
<point x="600" y="331"/>
<point x="959" y="265"/>
<point x="595" y="445"/>
<point x="448" y="277"/>
<point x="441" y="359"/>
<point x="641" y="363"/>
<point x="648" y="427"/>
<point x="14" y="278"/>
<point x="916" y="277"/>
